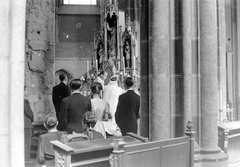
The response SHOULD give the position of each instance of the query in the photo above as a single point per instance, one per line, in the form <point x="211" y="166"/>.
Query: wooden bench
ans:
<point x="128" y="151"/>
<point x="174" y="152"/>
<point x="94" y="153"/>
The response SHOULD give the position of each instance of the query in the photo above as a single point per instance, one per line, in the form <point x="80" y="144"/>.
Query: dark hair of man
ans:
<point x="75" y="84"/>
<point x="62" y="77"/>
<point x="96" y="87"/>
<point x="128" y="82"/>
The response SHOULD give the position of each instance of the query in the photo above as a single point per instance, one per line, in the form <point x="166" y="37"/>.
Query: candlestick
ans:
<point x="87" y="69"/>
<point x="94" y="43"/>
<point x="220" y="100"/>
<point x="134" y="65"/>
<point x="97" y="66"/>
<point x="123" y="66"/>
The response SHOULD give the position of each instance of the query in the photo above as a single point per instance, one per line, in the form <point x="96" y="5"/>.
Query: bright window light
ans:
<point x="80" y="2"/>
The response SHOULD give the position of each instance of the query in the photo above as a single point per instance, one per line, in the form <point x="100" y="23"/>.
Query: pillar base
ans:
<point x="197" y="155"/>
<point x="213" y="158"/>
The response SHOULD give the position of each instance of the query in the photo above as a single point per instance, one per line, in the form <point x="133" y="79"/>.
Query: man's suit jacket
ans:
<point x="71" y="113"/>
<point x="60" y="91"/>
<point x="128" y="112"/>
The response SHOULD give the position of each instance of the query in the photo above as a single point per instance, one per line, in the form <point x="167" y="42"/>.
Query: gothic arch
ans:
<point x="63" y="71"/>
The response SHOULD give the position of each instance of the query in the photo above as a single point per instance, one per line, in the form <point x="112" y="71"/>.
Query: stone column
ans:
<point x="159" y="100"/>
<point x="12" y="51"/>
<point x="144" y="69"/>
<point x="190" y="38"/>
<point x="237" y="108"/>
<point x="186" y="11"/>
<point x="176" y="68"/>
<point x="222" y="54"/>
<point x="209" y="87"/>
<point x="236" y="52"/>
<point x="195" y="78"/>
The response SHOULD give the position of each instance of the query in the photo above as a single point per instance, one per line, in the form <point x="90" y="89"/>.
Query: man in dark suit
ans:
<point x="60" y="91"/>
<point x="72" y="109"/>
<point x="127" y="113"/>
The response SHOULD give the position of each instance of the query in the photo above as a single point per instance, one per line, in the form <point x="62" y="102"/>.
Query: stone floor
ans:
<point x="30" y="163"/>
<point x="237" y="164"/>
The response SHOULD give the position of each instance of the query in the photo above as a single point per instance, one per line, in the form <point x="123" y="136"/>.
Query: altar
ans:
<point x="229" y="140"/>
<point x="116" y="46"/>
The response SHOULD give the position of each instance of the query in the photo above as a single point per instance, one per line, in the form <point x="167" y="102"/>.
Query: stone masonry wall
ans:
<point x="39" y="62"/>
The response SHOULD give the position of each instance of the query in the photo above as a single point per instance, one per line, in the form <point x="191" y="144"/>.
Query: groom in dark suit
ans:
<point x="127" y="113"/>
<point x="60" y="91"/>
<point x="72" y="109"/>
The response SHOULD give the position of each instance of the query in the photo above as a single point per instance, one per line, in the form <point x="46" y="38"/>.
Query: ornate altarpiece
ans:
<point x="114" y="43"/>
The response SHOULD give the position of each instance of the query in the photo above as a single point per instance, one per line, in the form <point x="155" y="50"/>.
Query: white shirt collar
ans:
<point x="129" y="89"/>
<point x="75" y="91"/>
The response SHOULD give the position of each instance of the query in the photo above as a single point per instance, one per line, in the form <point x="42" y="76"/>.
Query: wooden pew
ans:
<point x="172" y="152"/>
<point x="176" y="152"/>
<point x="89" y="153"/>
<point x="128" y="151"/>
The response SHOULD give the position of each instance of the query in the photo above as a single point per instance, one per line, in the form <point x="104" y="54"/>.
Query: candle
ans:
<point x="220" y="100"/>
<point x="134" y="65"/>
<point x="94" y="43"/>
<point x="123" y="66"/>
<point x="87" y="69"/>
<point x="97" y="66"/>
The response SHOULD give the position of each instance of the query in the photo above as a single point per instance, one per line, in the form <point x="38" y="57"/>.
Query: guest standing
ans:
<point x="101" y="78"/>
<point x="111" y="94"/>
<point x="60" y="91"/>
<point x="100" y="107"/>
<point x="45" y="152"/>
<point x="127" y="113"/>
<point x="28" y="119"/>
<point x="72" y="109"/>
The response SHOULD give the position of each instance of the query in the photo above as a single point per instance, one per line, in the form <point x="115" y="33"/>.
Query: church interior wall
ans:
<point x="39" y="62"/>
<point x="49" y="50"/>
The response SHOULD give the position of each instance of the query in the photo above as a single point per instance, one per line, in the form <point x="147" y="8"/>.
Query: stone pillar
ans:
<point x="209" y="87"/>
<point x="237" y="103"/>
<point x="144" y="69"/>
<point x="222" y="54"/>
<point x="235" y="4"/>
<point x="176" y="68"/>
<point x="12" y="51"/>
<point x="159" y="91"/>
<point x="195" y="78"/>
<point x="190" y="38"/>
<point x="186" y="11"/>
